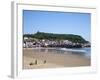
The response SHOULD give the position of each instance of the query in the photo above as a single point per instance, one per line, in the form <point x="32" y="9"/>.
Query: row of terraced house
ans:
<point x="31" y="43"/>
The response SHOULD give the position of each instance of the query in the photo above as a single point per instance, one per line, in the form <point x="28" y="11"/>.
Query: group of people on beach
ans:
<point x="36" y="62"/>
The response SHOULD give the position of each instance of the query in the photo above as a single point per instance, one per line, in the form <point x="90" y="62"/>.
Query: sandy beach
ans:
<point x="33" y="59"/>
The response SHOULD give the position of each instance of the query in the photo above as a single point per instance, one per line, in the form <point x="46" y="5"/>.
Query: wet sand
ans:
<point x="33" y="59"/>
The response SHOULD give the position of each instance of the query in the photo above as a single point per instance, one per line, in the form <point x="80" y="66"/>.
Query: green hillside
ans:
<point x="52" y="36"/>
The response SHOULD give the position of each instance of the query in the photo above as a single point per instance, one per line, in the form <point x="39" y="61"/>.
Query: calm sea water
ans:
<point x="86" y="52"/>
<point x="79" y="51"/>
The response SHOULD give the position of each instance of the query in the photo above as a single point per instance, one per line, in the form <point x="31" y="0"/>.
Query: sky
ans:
<point x="57" y="22"/>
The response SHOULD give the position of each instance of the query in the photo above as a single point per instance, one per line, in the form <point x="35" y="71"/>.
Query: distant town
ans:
<point x="41" y="39"/>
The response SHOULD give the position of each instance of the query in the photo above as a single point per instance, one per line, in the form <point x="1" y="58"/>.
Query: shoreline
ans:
<point x="53" y="60"/>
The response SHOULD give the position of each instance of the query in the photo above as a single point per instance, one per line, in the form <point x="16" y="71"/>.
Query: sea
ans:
<point x="85" y="52"/>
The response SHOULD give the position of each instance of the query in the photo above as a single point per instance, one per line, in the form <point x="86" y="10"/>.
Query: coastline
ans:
<point x="53" y="60"/>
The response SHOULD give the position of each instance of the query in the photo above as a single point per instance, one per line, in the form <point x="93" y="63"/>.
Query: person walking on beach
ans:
<point x="44" y="61"/>
<point x="35" y="62"/>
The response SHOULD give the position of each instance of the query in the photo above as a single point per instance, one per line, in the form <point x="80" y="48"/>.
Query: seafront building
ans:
<point x="30" y="43"/>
